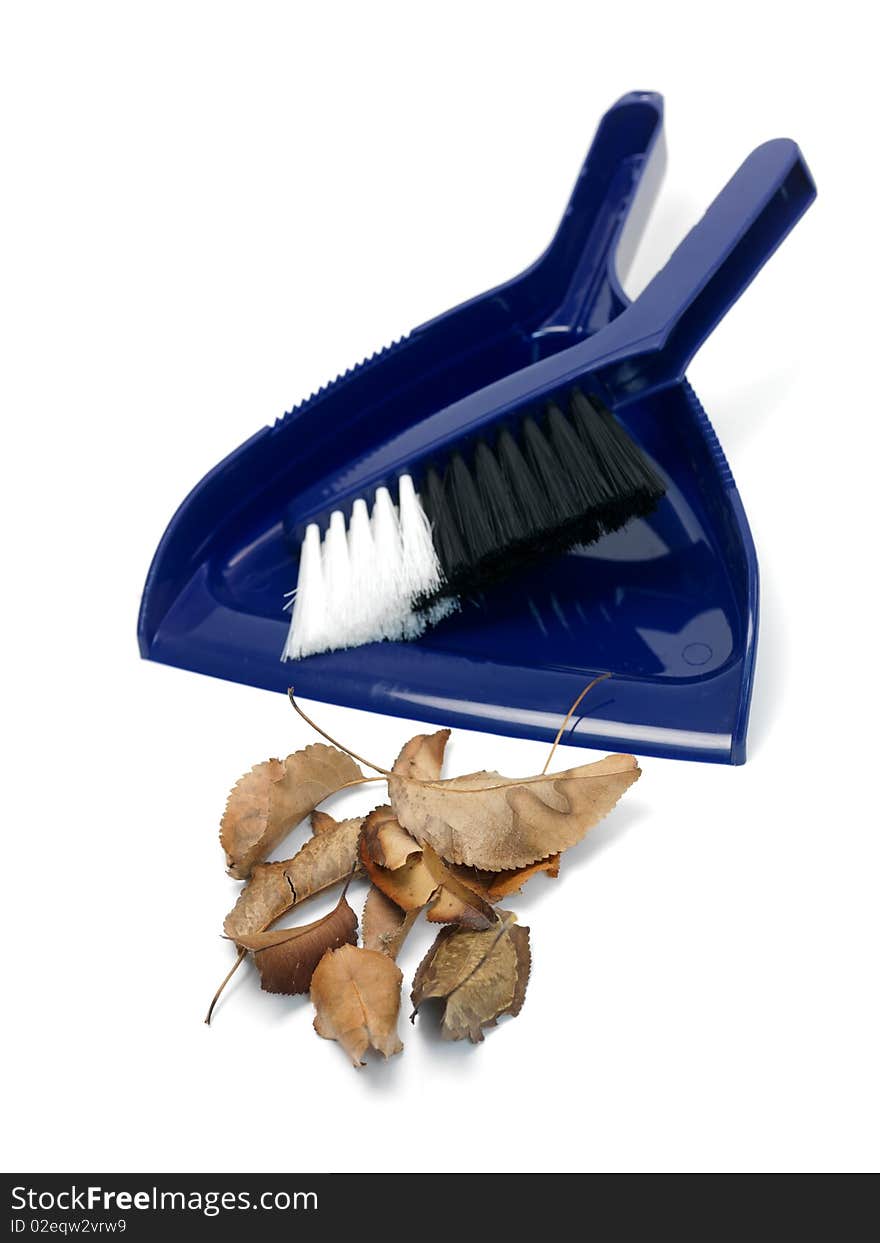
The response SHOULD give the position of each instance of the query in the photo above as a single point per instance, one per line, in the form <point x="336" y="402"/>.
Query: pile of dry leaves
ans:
<point x="452" y="848"/>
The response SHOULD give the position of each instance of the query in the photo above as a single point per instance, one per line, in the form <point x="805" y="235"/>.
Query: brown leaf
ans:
<point x="478" y="975"/>
<point x="286" y="958"/>
<point x="266" y="803"/>
<point x="422" y="757"/>
<point x="387" y="844"/>
<point x="424" y="880"/>
<point x="456" y="902"/>
<point x="516" y="822"/>
<point x="384" y="924"/>
<point x="493" y="886"/>
<point x="356" y="995"/>
<point x="410" y="886"/>
<point x="321" y="822"/>
<point x="265" y="898"/>
<point x="275" y="887"/>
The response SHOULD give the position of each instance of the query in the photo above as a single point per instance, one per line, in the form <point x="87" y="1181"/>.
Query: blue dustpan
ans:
<point x="669" y="606"/>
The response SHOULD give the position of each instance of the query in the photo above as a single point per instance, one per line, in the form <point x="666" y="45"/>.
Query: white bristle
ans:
<point x="361" y="564"/>
<point x="421" y="571"/>
<point x="337" y="578"/>
<point x="307" y="618"/>
<point x="388" y="587"/>
<point x="359" y="586"/>
<point x="440" y="609"/>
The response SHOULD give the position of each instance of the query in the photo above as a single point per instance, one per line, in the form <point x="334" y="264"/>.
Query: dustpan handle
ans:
<point x="603" y="220"/>
<point x="717" y="260"/>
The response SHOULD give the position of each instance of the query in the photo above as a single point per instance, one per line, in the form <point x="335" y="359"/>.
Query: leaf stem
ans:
<point x="354" y="755"/>
<point x="442" y="785"/>
<point x="358" y="781"/>
<point x="232" y="970"/>
<point x="568" y="716"/>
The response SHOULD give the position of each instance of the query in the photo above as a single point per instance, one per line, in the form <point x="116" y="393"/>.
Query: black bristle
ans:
<point x="591" y="428"/>
<point x="551" y="475"/>
<point x="499" y="498"/>
<point x="634" y="487"/>
<point x="470" y="513"/>
<point x="586" y="481"/>
<point x="448" y="542"/>
<point x="531" y="500"/>
<point x="571" y="479"/>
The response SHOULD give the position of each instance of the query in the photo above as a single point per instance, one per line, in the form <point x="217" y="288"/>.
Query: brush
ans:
<point x="542" y="483"/>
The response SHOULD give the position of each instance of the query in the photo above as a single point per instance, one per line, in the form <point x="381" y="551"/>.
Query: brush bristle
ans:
<point x="633" y="488"/>
<point x="360" y="584"/>
<point x="558" y="480"/>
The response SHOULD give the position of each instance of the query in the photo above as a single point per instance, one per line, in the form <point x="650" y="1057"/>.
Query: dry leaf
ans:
<point x="456" y="903"/>
<point x="356" y="995"/>
<point x="275" y="887"/>
<point x="422" y="757"/>
<point x="384" y="924"/>
<point x="265" y="898"/>
<point x="266" y="803"/>
<point x="410" y="886"/>
<point x="493" y="886"/>
<point x="479" y="976"/>
<point x="516" y="822"/>
<point x="286" y="958"/>
<point x="387" y="844"/>
<point x="423" y="880"/>
<point x="321" y="822"/>
<point x="451" y="848"/>
<point x="325" y="860"/>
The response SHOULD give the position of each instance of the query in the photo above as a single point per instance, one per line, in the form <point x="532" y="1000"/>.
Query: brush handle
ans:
<point x="706" y="274"/>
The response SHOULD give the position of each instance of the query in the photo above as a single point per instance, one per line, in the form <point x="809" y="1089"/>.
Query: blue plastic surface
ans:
<point x="669" y="606"/>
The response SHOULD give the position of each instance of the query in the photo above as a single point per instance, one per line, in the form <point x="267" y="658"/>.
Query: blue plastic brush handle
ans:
<point x="709" y="270"/>
<point x="645" y="348"/>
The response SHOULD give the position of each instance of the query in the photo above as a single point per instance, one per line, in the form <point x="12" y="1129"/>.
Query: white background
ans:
<point x="209" y="210"/>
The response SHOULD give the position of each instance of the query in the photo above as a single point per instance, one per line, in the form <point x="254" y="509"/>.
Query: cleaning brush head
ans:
<point x="556" y="479"/>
